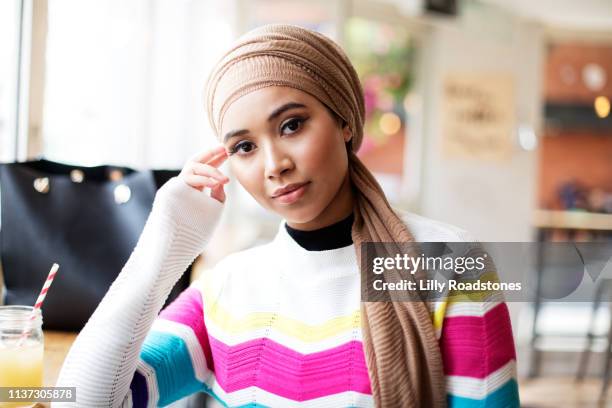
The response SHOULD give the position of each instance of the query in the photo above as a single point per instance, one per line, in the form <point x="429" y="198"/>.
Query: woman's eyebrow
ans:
<point x="234" y="133"/>
<point x="276" y="113"/>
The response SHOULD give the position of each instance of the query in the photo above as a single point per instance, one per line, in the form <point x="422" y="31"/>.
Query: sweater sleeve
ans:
<point x="476" y="342"/>
<point x="175" y="359"/>
<point x="104" y="358"/>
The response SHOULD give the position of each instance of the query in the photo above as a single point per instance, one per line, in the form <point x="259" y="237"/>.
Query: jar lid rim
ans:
<point x="17" y="313"/>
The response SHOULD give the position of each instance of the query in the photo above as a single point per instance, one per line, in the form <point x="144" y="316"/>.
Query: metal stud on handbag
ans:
<point x="88" y="219"/>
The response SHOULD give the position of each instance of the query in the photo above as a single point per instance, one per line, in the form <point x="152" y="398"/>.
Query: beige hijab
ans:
<point x="402" y="352"/>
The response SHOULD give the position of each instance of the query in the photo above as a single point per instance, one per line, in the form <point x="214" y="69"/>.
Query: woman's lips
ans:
<point x="292" y="196"/>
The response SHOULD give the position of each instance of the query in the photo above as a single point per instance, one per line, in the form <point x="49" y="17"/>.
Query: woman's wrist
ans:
<point x="190" y="209"/>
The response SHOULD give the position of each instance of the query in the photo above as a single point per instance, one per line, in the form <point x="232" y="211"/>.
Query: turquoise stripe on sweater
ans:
<point x="169" y="357"/>
<point x="506" y="396"/>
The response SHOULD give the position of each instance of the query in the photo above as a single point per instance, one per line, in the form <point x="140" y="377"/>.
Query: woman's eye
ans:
<point x="292" y="125"/>
<point x="242" y="148"/>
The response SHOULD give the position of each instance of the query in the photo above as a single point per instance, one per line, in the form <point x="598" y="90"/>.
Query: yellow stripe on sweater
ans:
<point x="313" y="333"/>
<point x="291" y="327"/>
<point x="297" y="329"/>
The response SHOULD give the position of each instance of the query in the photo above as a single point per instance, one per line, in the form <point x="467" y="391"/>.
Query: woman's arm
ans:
<point x="176" y="358"/>
<point x="103" y="359"/>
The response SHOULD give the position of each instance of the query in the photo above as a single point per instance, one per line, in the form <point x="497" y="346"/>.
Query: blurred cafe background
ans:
<point x="491" y="115"/>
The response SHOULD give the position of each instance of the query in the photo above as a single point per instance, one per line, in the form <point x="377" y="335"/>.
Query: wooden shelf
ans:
<point x="572" y="220"/>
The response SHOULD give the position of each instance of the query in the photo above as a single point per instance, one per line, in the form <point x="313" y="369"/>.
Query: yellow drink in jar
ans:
<point x="21" y="359"/>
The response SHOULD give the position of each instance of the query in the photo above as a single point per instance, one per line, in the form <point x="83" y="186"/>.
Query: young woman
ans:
<point x="283" y="324"/>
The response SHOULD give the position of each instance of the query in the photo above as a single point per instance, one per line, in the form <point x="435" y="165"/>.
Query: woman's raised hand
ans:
<point x="201" y="171"/>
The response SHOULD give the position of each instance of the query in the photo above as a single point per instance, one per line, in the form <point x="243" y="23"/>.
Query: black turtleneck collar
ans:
<point x="337" y="235"/>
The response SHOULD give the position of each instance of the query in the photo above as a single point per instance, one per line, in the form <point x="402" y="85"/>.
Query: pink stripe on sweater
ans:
<point x="475" y="346"/>
<point x="284" y="372"/>
<point x="187" y="309"/>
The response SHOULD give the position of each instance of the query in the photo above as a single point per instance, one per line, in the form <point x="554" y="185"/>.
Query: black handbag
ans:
<point x="87" y="219"/>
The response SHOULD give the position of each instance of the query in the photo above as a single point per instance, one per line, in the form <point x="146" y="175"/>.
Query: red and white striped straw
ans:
<point x="40" y="300"/>
<point x="45" y="289"/>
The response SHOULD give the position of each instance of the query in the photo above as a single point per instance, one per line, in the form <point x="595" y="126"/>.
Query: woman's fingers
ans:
<point x="218" y="159"/>
<point x="205" y="180"/>
<point x="196" y="180"/>
<point x="205" y="156"/>
<point x="209" y="171"/>
<point x="201" y="171"/>
<point x="218" y="193"/>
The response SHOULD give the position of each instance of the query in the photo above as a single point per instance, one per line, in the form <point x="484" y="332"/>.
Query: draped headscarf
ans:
<point x="401" y="349"/>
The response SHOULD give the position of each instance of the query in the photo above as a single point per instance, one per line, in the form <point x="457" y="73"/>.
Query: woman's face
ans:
<point x="280" y="136"/>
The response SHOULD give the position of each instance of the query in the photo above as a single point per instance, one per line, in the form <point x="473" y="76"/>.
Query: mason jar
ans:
<point x="21" y="351"/>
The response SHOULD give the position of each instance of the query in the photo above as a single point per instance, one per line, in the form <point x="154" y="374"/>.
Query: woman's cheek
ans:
<point x="313" y="157"/>
<point x="243" y="178"/>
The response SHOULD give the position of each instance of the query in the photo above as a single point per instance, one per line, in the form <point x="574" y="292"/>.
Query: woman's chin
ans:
<point x="296" y="220"/>
<point x="298" y="215"/>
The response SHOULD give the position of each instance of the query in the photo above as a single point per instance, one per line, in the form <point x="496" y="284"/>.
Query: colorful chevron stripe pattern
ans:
<point x="240" y="361"/>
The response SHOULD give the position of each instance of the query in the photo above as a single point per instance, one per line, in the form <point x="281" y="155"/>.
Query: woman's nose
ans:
<point x="277" y="161"/>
